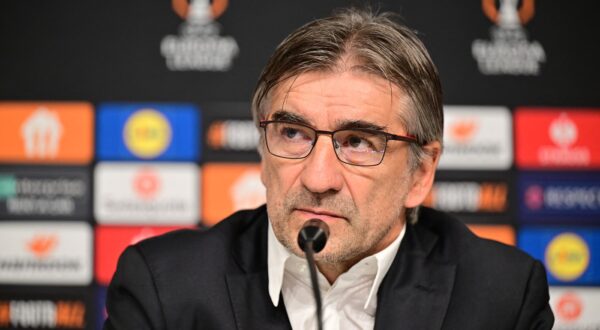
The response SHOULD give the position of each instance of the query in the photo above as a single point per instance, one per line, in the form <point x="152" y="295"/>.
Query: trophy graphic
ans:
<point x="199" y="12"/>
<point x="509" y="16"/>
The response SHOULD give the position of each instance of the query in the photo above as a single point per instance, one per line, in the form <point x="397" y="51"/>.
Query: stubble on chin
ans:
<point x="286" y="227"/>
<point x="348" y="242"/>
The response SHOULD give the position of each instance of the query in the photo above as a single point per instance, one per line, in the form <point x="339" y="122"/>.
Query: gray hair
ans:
<point x="380" y="46"/>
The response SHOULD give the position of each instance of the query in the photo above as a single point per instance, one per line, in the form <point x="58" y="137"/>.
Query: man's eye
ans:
<point x="289" y="133"/>
<point x="358" y="143"/>
<point x="292" y="133"/>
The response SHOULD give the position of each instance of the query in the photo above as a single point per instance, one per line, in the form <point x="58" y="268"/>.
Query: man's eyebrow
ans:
<point x="342" y="124"/>
<point x="289" y="116"/>
<point x="359" y="124"/>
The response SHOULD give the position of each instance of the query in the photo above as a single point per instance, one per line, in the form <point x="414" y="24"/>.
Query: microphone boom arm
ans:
<point x="312" y="239"/>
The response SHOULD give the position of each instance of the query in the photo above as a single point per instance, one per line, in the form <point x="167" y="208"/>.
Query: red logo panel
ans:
<point x="557" y="138"/>
<point x="112" y="241"/>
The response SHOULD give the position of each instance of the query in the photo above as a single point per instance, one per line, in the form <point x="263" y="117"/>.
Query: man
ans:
<point x="350" y="114"/>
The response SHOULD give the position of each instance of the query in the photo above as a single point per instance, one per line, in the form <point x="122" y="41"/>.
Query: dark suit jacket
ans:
<point x="443" y="277"/>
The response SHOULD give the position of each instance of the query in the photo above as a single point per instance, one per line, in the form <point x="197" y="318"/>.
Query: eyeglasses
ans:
<point x="361" y="147"/>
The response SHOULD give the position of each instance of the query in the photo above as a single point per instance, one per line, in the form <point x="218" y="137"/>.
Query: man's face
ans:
<point x="363" y="206"/>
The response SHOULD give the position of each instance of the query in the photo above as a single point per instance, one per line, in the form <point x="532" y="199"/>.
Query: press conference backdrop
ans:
<point x="121" y="120"/>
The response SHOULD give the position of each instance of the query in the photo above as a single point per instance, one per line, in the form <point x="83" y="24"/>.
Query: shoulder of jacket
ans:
<point x="464" y="245"/>
<point x="201" y="241"/>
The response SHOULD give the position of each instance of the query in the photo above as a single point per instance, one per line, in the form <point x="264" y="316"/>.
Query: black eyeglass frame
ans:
<point x="388" y="137"/>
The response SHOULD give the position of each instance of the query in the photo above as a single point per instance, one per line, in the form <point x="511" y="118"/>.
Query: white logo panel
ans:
<point x="58" y="253"/>
<point x="477" y="138"/>
<point x="575" y="307"/>
<point x="146" y="193"/>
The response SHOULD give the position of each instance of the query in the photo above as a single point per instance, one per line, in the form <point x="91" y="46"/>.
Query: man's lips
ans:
<point x="320" y="214"/>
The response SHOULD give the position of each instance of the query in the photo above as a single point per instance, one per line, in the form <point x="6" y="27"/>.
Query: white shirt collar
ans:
<point x="277" y="256"/>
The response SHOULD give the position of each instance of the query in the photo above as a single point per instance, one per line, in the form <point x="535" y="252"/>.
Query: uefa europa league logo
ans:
<point x="199" y="45"/>
<point x="509" y="52"/>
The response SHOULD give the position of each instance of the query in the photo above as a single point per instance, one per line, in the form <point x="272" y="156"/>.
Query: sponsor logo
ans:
<point x="147" y="133"/>
<point x="41" y="133"/>
<point x="46" y="132"/>
<point x="569" y="307"/>
<point x="562" y="198"/>
<point x="534" y="197"/>
<point x="112" y="241"/>
<point x="558" y="139"/>
<point x="45" y="253"/>
<point x="477" y="138"/>
<point x="49" y="192"/>
<point x="569" y="254"/>
<point x="509" y="52"/>
<point x="567" y="257"/>
<point x="563" y="132"/>
<point x="500" y="233"/>
<point x="161" y="131"/>
<point x="128" y="193"/>
<point x="462" y="131"/>
<point x="42" y="245"/>
<point x="52" y="314"/>
<point x="229" y="188"/>
<point x="199" y="45"/>
<point x="232" y="135"/>
<point x="575" y="307"/>
<point x="556" y="196"/>
<point x="146" y="183"/>
<point x="468" y="196"/>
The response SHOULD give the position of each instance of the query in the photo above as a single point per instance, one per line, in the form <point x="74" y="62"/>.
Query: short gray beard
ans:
<point x="350" y="252"/>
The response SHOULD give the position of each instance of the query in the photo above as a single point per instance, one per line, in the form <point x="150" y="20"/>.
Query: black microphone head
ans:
<point x="315" y="231"/>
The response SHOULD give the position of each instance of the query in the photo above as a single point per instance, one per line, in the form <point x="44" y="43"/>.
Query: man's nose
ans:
<point x="322" y="170"/>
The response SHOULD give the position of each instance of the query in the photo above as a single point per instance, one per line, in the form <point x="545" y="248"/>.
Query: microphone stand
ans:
<point x="312" y="239"/>
<point x="315" y="284"/>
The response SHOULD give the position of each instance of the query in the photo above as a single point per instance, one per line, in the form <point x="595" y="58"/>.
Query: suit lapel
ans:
<point x="416" y="291"/>
<point x="252" y="305"/>
<point x="248" y="281"/>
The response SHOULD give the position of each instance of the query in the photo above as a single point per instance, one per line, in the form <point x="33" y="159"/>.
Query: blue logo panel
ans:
<point x="550" y="197"/>
<point x="571" y="255"/>
<point x="100" y="306"/>
<point x="130" y="131"/>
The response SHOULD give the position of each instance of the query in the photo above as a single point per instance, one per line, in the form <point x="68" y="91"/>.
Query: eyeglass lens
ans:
<point x="355" y="147"/>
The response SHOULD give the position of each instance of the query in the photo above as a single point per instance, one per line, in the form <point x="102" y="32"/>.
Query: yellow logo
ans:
<point x="567" y="256"/>
<point x="147" y="133"/>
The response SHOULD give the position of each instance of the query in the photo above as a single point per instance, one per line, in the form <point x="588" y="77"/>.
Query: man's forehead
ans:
<point x="322" y="77"/>
<point x="360" y="86"/>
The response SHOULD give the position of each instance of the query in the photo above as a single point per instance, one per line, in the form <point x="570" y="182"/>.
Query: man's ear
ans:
<point x="423" y="175"/>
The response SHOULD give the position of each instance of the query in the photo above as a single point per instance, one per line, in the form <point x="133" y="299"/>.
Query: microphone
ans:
<point x="314" y="232"/>
<point x="312" y="239"/>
